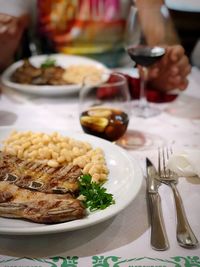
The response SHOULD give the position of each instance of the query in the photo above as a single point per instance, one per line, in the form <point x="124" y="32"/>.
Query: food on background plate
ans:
<point x="29" y="74"/>
<point x="35" y="184"/>
<point x="77" y="73"/>
<point x="49" y="73"/>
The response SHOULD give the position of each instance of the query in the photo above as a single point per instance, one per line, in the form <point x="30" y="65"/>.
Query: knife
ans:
<point x="159" y="240"/>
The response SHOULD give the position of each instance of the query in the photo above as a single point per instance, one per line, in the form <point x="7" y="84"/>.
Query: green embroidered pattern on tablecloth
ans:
<point x="101" y="261"/>
<point x="51" y="262"/>
<point x="178" y="261"/>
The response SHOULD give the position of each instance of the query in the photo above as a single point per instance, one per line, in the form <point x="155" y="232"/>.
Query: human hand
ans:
<point x="171" y="71"/>
<point x="11" y="30"/>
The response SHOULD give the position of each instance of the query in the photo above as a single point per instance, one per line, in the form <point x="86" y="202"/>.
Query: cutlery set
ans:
<point x="184" y="234"/>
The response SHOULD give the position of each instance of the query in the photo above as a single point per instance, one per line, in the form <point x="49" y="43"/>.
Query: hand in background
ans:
<point x="171" y="71"/>
<point x="11" y="30"/>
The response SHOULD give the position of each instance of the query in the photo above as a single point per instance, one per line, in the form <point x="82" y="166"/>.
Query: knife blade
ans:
<point x="159" y="240"/>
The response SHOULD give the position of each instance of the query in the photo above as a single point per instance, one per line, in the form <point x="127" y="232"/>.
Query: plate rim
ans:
<point x="47" y="90"/>
<point x="54" y="228"/>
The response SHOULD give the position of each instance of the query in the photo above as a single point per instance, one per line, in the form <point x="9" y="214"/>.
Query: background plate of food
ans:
<point x="51" y="75"/>
<point x="123" y="181"/>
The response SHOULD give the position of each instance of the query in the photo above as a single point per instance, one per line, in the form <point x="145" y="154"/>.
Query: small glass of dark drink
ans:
<point x="104" y="106"/>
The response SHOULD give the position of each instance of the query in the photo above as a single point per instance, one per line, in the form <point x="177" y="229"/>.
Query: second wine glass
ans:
<point x="104" y="106"/>
<point x="144" y="56"/>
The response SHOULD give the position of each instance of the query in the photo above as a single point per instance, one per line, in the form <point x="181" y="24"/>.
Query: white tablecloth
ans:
<point x="125" y="239"/>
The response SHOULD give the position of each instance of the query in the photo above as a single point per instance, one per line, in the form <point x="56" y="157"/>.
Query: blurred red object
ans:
<point x="153" y="95"/>
<point x="106" y="92"/>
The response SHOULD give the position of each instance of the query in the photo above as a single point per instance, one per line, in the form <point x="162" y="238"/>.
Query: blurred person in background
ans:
<point x="11" y="34"/>
<point x="186" y="18"/>
<point x="95" y="28"/>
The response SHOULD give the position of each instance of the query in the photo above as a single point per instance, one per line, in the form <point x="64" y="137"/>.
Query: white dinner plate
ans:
<point x="124" y="182"/>
<point x="50" y="90"/>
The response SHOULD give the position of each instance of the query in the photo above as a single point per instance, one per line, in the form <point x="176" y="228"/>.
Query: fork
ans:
<point x="184" y="233"/>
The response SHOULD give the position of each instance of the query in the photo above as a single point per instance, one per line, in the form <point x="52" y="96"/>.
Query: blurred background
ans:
<point x="185" y="15"/>
<point x="186" y="18"/>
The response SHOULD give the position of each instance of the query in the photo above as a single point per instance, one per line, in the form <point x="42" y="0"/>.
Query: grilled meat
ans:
<point x="29" y="74"/>
<point x="38" y="193"/>
<point x="54" y="75"/>
<point x="26" y="73"/>
<point x="37" y="176"/>
<point x="16" y="202"/>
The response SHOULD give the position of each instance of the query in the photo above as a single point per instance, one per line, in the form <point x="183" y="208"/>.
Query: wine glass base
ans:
<point x="146" y="112"/>
<point x="139" y="140"/>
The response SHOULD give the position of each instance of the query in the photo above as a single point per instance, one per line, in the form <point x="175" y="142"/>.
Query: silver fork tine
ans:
<point x="168" y="151"/>
<point x="163" y="158"/>
<point x="159" y="162"/>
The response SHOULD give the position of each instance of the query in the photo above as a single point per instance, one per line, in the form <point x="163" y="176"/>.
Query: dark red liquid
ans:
<point x="106" y="123"/>
<point x="145" y="55"/>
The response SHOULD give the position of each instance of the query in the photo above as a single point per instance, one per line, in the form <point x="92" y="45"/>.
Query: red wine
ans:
<point x="145" y="55"/>
<point x="109" y="124"/>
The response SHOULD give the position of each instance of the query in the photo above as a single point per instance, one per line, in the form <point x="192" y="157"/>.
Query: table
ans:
<point x="125" y="239"/>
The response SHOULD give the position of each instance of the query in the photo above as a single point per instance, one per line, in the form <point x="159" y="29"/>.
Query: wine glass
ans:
<point x="143" y="55"/>
<point x="104" y="106"/>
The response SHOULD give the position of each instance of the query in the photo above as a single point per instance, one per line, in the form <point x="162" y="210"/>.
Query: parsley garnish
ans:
<point x="49" y="62"/>
<point x="95" y="194"/>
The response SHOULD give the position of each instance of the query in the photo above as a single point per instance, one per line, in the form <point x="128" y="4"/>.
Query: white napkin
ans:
<point x="185" y="162"/>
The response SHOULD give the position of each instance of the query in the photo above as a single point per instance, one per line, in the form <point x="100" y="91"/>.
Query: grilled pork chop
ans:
<point x="38" y="193"/>
<point x="16" y="202"/>
<point x="37" y="176"/>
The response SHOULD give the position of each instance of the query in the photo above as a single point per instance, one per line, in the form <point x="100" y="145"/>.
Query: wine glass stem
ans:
<point x="143" y="99"/>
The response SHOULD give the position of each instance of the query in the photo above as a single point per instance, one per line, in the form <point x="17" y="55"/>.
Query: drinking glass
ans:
<point x="104" y="106"/>
<point x="144" y="56"/>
